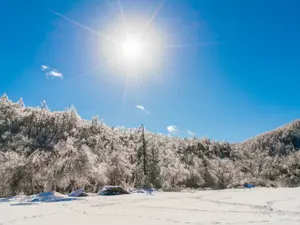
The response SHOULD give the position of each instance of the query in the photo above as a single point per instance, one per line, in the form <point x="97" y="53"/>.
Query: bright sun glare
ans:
<point x="138" y="53"/>
<point x="132" y="46"/>
<point x="132" y="49"/>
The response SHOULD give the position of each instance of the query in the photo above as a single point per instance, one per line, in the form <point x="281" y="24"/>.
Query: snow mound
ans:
<point x="141" y="191"/>
<point x="47" y="197"/>
<point x="11" y="199"/>
<point x="137" y="191"/>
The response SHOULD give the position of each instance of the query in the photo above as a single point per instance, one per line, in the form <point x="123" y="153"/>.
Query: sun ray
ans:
<point x="197" y="45"/>
<point x="96" y="68"/>
<point x="123" y="15"/>
<point x="80" y="24"/>
<point x="176" y="46"/>
<point x="137" y="82"/>
<point x="125" y="94"/>
<point x="152" y="18"/>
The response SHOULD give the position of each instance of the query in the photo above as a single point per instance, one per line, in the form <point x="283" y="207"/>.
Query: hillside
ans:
<point x="41" y="150"/>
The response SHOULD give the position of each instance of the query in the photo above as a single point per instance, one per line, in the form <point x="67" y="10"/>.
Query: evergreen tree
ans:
<point x="44" y="105"/>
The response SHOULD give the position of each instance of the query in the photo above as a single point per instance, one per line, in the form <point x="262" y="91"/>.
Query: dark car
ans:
<point x="113" y="190"/>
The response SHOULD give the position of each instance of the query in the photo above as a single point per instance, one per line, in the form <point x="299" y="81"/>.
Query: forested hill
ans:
<point x="42" y="150"/>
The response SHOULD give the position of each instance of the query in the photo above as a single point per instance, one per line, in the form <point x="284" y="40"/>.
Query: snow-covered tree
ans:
<point x="42" y="150"/>
<point x="44" y="105"/>
<point x="21" y="103"/>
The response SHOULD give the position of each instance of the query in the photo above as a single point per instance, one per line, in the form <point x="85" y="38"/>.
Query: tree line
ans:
<point x="43" y="150"/>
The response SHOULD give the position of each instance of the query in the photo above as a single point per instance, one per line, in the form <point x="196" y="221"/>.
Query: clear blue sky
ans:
<point x="242" y="79"/>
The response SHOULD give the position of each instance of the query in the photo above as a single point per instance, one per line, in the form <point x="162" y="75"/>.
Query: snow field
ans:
<point x="255" y="206"/>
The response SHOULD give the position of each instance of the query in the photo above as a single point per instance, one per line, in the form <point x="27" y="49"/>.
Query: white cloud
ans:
<point x="142" y="108"/>
<point x="172" y="129"/>
<point x="54" y="73"/>
<point x="191" y="133"/>
<point x="44" y="67"/>
<point x="50" y="72"/>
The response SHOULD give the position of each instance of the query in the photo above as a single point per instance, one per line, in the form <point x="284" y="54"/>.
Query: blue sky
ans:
<point x="236" y="76"/>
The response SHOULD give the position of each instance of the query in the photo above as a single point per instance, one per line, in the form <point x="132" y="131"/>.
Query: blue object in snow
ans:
<point x="78" y="193"/>
<point x="150" y="190"/>
<point x="246" y="185"/>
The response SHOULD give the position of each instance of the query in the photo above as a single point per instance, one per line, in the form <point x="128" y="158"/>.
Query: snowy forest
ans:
<point x="43" y="150"/>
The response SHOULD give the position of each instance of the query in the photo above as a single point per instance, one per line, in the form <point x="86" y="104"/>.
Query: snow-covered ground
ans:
<point x="252" y="206"/>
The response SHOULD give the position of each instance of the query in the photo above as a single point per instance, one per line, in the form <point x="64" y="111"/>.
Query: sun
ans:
<point x="132" y="46"/>
<point x="132" y="49"/>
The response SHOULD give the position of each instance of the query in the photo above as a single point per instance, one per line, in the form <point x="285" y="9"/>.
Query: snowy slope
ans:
<point x="253" y="206"/>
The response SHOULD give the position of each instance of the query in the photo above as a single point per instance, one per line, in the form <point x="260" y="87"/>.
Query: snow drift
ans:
<point x="46" y="197"/>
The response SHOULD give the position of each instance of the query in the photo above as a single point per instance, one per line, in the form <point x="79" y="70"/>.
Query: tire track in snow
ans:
<point x="264" y="209"/>
<point x="28" y="218"/>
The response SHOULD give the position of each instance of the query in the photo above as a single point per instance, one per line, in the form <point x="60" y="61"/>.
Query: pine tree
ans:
<point x="44" y="105"/>
<point x="141" y="155"/>
<point x="21" y="103"/>
<point x="144" y="149"/>
<point x="95" y="121"/>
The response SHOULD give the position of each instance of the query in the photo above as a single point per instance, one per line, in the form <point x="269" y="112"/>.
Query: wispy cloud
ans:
<point x="191" y="133"/>
<point x="54" y="73"/>
<point x="172" y="129"/>
<point x="142" y="108"/>
<point x="44" y="67"/>
<point x="50" y="72"/>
